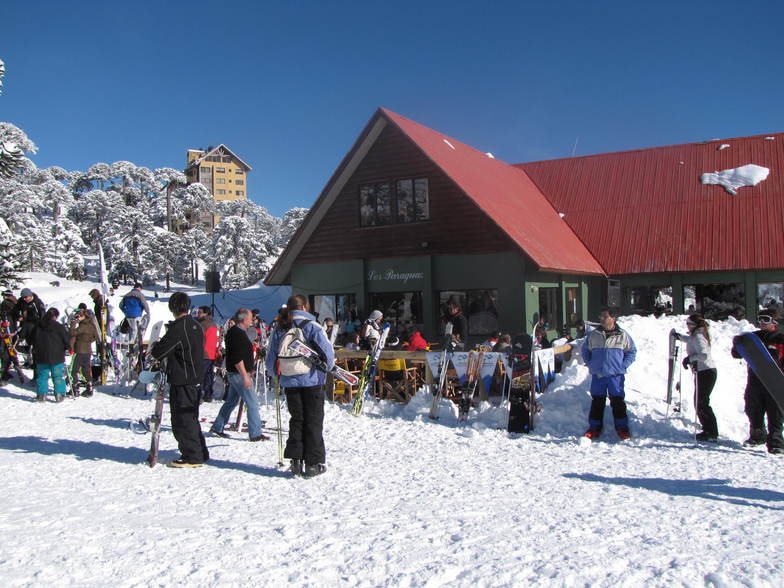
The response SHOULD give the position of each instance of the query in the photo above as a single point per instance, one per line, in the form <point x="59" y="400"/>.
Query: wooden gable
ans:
<point x="455" y="226"/>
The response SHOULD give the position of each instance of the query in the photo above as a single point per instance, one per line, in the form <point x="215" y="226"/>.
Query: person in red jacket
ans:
<point x="204" y="316"/>
<point x="416" y="343"/>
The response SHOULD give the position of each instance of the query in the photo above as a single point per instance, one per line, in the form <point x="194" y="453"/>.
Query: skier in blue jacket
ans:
<point x="608" y="351"/>
<point x="304" y="386"/>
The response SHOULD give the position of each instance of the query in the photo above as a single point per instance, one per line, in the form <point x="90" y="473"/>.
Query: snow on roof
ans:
<point x="739" y="177"/>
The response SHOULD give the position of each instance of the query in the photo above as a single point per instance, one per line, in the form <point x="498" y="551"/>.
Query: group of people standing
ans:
<point x="608" y="351"/>
<point x="183" y="349"/>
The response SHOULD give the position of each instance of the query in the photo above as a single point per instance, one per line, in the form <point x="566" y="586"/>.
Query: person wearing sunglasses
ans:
<point x="759" y="402"/>
<point x="698" y="358"/>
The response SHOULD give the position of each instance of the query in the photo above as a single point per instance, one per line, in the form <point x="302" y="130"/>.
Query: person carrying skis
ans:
<point x="608" y="352"/>
<point x="183" y="348"/>
<point x="759" y="402"/>
<point x="134" y="306"/>
<point x="371" y="330"/>
<point x="204" y="316"/>
<point x="304" y="385"/>
<point x="82" y="335"/>
<point x="239" y="364"/>
<point x="50" y="343"/>
<point x="698" y="359"/>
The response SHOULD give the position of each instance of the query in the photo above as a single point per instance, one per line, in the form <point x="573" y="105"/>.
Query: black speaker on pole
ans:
<point x="212" y="282"/>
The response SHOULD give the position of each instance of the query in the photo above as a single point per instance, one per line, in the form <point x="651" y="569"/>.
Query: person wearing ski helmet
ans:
<point x="698" y="359"/>
<point x="759" y="403"/>
<point x="608" y="352"/>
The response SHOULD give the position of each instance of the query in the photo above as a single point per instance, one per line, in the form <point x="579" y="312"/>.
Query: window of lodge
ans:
<point x="378" y="206"/>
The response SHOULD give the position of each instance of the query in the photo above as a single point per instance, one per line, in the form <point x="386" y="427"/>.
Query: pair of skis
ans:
<point x="368" y="377"/>
<point x="473" y="373"/>
<point x="443" y="366"/>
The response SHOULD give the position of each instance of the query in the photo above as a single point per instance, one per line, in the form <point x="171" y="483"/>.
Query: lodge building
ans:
<point x="413" y="218"/>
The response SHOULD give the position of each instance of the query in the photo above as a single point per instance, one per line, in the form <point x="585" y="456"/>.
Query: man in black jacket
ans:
<point x="759" y="402"/>
<point x="29" y="310"/>
<point x="183" y="348"/>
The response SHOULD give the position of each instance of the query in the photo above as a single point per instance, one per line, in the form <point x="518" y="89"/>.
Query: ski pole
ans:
<point x="280" y="425"/>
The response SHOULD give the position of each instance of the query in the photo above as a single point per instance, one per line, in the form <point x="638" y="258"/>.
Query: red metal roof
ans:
<point x="508" y="196"/>
<point x="646" y="211"/>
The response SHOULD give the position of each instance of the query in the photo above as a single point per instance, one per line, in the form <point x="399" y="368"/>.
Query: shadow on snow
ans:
<point x="710" y="489"/>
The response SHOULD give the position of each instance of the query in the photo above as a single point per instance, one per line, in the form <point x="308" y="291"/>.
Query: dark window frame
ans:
<point x="368" y="191"/>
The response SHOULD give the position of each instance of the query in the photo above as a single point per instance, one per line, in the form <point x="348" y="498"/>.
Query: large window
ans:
<point x="479" y="306"/>
<point x="410" y="203"/>
<point x="770" y="295"/>
<point x="650" y="299"/>
<point x="375" y="205"/>
<point x="341" y="308"/>
<point x="402" y="310"/>
<point x="412" y="200"/>
<point x="715" y="301"/>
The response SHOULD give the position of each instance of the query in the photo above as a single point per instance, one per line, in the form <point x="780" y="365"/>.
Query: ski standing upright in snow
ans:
<point x="673" y="369"/>
<point x="368" y="378"/>
<point x="443" y="366"/>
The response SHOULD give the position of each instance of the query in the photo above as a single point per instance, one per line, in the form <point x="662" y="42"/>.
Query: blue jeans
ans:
<point x="236" y="390"/>
<point x="44" y="371"/>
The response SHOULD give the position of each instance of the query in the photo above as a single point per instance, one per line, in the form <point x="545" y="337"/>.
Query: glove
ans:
<point x="685" y="363"/>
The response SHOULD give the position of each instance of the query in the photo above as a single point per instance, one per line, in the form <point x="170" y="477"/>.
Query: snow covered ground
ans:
<point x="406" y="501"/>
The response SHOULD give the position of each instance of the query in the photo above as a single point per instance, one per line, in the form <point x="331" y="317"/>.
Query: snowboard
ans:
<point x="157" y="417"/>
<point x="522" y="404"/>
<point x="753" y="350"/>
<point x="673" y="383"/>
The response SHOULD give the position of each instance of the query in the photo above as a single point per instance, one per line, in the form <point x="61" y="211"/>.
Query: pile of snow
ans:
<point x="732" y="179"/>
<point x="406" y="501"/>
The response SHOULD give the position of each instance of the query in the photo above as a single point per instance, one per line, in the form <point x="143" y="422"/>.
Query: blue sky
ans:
<point x="288" y="85"/>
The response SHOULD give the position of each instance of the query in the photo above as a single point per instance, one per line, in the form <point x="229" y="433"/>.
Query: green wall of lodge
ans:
<point x="509" y="273"/>
<point x="515" y="279"/>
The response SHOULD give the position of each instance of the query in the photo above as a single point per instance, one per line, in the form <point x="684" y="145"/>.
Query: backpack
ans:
<point x="290" y="363"/>
<point x="131" y="306"/>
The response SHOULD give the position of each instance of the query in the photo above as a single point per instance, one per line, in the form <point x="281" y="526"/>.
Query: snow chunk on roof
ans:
<point x="732" y="179"/>
<point x="723" y="146"/>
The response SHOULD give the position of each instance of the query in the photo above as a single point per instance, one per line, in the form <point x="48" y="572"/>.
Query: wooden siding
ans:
<point x="456" y="224"/>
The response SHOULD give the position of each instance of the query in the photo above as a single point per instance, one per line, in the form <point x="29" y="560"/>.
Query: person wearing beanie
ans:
<point x="371" y="330"/>
<point x="698" y="359"/>
<point x="759" y="402"/>
<point x="29" y="310"/>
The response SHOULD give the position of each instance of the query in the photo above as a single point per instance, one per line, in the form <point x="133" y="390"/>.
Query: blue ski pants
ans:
<point x="43" y="372"/>
<point x="601" y="388"/>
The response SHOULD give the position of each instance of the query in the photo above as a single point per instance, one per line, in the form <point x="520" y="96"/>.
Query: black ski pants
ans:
<point x="760" y="403"/>
<point x="706" y="379"/>
<point x="184" y="405"/>
<point x="306" y="441"/>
